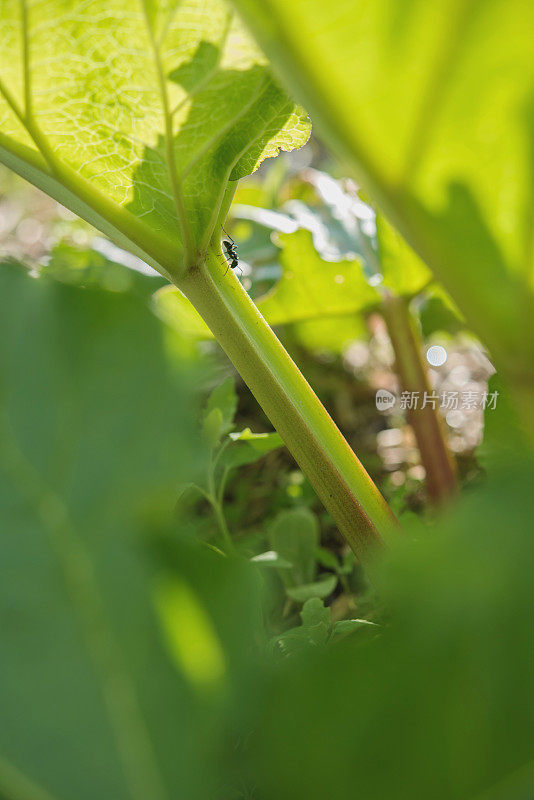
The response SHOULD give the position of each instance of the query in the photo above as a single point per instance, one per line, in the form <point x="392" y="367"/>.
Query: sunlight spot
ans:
<point x="436" y="355"/>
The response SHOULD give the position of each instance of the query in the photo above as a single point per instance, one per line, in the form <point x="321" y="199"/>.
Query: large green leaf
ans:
<point x="431" y="104"/>
<point x="102" y="679"/>
<point x="312" y="288"/>
<point x="137" y="116"/>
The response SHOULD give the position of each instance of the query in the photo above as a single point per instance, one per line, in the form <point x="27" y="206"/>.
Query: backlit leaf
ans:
<point x="432" y="106"/>
<point x="137" y="116"/>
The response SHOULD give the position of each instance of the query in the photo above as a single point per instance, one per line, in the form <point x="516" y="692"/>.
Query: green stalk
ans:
<point x="215" y="498"/>
<point x="229" y="546"/>
<point x="310" y="434"/>
<point x="426" y="422"/>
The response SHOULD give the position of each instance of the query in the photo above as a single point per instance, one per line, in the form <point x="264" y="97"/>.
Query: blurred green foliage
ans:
<point x="439" y="704"/>
<point x="238" y="662"/>
<point x="95" y="433"/>
<point x="150" y="648"/>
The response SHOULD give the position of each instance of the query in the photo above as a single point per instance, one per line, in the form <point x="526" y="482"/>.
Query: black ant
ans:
<point x="231" y="252"/>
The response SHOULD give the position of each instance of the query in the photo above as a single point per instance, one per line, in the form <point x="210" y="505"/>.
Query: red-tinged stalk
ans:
<point x="426" y="423"/>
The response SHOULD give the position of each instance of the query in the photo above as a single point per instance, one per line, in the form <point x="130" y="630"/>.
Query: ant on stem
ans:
<point x="231" y="252"/>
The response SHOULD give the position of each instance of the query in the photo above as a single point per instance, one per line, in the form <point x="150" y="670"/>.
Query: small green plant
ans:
<point x="316" y="629"/>
<point x="227" y="450"/>
<point x="293" y="535"/>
